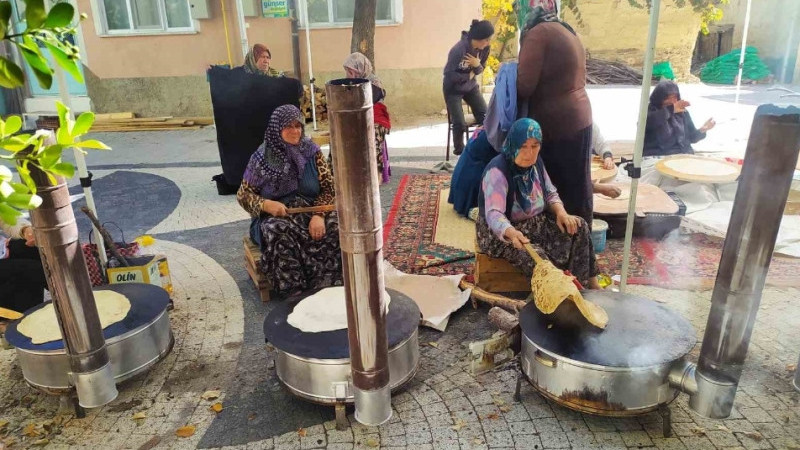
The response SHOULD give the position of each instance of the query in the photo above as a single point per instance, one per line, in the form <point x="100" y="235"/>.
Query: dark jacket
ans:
<point x="668" y="132"/>
<point x="457" y="78"/>
<point x="551" y="79"/>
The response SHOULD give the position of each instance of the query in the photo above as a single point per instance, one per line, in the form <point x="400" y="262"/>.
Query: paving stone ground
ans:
<point x="219" y="345"/>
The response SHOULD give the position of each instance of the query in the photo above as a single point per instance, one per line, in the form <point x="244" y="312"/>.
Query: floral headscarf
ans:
<point x="279" y="163"/>
<point x="524" y="178"/>
<point x="250" y="62"/>
<point x="363" y="68"/>
<point x="533" y="12"/>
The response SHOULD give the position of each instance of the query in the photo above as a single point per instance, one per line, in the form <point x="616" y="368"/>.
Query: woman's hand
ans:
<point x="516" y="238"/>
<point x="568" y="223"/>
<point x="680" y="106"/>
<point x="27" y="234"/>
<point x="609" y="190"/>
<point x="608" y="163"/>
<point x="710" y="123"/>
<point x="316" y="228"/>
<point x="274" y="208"/>
<point x="472" y="61"/>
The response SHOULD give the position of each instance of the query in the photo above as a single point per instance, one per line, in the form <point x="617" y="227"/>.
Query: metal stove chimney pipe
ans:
<point x="57" y="237"/>
<point x="361" y="238"/>
<point x="769" y="162"/>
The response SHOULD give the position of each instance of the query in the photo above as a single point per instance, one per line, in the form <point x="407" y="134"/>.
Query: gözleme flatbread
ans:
<point x="42" y="325"/>
<point x="323" y="311"/>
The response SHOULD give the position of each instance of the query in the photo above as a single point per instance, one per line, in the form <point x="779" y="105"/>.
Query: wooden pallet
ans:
<point x="252" y="255"/>
<point x="498" y="275"/>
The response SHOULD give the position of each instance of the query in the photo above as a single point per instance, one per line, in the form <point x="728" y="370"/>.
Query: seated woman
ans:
<point x="298" y="251"/>
<point x="358" y="66"/>
<point x="258" y="61"/>
<point x="22" y="279"/>
<point x="519" y="205"/>
<point x="601" y="147"/>
<point x="669" y="129"/>
<point x="466" y="182"/>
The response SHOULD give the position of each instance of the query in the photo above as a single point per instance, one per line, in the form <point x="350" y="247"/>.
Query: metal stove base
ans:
<point x="328" y="381"/>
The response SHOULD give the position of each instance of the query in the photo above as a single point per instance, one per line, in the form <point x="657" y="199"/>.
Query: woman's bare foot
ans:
<point x="594" y="284"/>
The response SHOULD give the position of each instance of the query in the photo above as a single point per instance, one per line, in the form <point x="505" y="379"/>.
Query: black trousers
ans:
<point x="476" y="103"/>
<point x="568" y="162"/>
<point x="22" y="280"/>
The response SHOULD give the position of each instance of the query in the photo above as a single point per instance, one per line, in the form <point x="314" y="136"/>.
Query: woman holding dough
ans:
<point x="518" y="205"/>
<point x="298" y="251"/>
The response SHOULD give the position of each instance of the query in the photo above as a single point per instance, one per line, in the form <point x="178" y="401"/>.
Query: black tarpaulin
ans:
<point x="243" y="104"/>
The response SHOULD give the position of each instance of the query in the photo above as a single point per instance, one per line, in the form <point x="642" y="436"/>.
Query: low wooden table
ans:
<point x="252" y="258"/>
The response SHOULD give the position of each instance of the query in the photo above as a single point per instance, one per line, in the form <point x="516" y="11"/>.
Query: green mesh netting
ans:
<point x="725" y="68"/>
<point x="663" y="70"/>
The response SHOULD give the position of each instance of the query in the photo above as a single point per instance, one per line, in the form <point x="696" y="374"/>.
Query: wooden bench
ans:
<point x="498" y="275"/>
<point x="252" y="258"/>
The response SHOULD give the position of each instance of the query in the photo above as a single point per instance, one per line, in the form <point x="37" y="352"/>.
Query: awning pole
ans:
<point x="742" y="52"/>
<point x="635" y="173"/>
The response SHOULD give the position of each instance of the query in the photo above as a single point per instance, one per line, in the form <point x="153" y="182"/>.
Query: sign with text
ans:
<point x="275" y="8"/>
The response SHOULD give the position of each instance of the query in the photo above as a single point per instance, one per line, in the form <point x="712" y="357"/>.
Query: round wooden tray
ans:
<point x="665" y="170"/>
<point x="602" y="175"/>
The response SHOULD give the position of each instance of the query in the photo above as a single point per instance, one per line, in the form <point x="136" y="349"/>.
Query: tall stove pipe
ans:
<point x="57" y="237"/>
<point x="361" y="237"/>
<point x="769" y="163"/>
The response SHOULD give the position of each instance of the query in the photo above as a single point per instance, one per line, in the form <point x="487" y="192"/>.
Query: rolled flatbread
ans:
<point x="324" y="311"/>
<point x="551" y="286"/>
<point x="42" y="325"/>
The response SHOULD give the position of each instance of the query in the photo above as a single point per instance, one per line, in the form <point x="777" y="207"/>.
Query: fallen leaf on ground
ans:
<point x="459" y="425"/>
<point x="698" y="431"/>
<point x="791" y="367"/>
<point x="505" y="408"/>
<point x="211" y="395"/>
<point x="3" y="424"/>
<point x="186" y="431"/>
<point x="754" y="435"/>
<point x="499" y="402"/>
<point x="30" y="430"/>
<point x="40" y="442"/>
<point x="301" y="432"/>
<point x="372" y="442"/>
<point x="477" y="441"/>
<point x="139" y="415"/>
<point x="434" y="344"/>
<point x="723" y="428"/>
<point x="493" y="416"/>
<point x="216" y="407"/>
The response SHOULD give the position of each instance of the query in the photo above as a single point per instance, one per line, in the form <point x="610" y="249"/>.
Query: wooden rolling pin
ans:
<point x="312" y="209"/>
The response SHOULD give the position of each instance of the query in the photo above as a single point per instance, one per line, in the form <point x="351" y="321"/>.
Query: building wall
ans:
<point x="165" y="74"/>
<point x="614" y="30"/>
<point x="774" y="30"/>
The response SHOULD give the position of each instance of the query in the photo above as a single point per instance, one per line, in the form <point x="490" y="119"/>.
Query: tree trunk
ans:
<point x="363" y="40"/>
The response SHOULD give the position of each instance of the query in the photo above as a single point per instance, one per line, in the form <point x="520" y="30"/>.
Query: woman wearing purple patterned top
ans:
<point x="299" y="251"/>
<point x="519" y="204"/>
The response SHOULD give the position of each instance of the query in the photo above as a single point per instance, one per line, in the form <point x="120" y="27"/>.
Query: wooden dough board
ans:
<point x="602" y="175"/>
<point x="649" y="199"/>
<point x="663" y="169"/>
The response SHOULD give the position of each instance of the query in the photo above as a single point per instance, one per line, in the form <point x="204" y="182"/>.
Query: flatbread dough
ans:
<point x="324" y="311"/>
<point x="551" y="286"/>
<point x="42" y="325"/>
<point x="624" y="195"/>
<point x="701" y="167"/>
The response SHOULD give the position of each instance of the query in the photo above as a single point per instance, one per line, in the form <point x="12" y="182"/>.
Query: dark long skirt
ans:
<point x="466" y="182"/>
<point x="568" y="162"/>
<point x="22" y="279"/>
<point x="549" y="241"/>
<point x="291" y="259"/>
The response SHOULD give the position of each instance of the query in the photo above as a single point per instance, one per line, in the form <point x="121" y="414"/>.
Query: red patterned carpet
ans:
<point x="681" y="261"/>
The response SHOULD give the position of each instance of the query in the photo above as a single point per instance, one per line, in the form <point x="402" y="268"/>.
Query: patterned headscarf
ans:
<point x="250" y="62"/>
<point x="363" y="68"/>
<point x="282" y="164"/>
<point x="524" y="178"/>
<point x="533" y="12"/>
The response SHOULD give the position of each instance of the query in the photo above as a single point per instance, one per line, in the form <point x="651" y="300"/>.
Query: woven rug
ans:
<point x="409" y="233"/>
<point x="420" y="217"/>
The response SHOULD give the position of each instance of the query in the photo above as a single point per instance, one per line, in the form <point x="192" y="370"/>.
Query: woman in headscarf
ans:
<point x="358" y="65"/>
<point x="670" y="129"/>
<point x="519" y="205"/>
<point x="298" y="251"/>
<point x="258" y="61"/>
<point x="466" y="60"/>
<point x="551" y="80"/>
<point x="22" y="279"/>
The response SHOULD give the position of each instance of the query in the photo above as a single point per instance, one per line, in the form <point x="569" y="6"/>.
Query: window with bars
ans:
<point x="146" y="16"/>
<point x="340" y="12"/>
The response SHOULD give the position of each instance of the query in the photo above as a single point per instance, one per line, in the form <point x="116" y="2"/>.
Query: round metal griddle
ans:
<point x="316" y="366"/>
<point x="622" y="370"/>
<point x="134" y="344"/>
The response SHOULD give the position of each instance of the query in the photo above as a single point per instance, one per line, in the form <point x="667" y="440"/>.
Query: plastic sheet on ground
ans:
<point x="437" y="297"/>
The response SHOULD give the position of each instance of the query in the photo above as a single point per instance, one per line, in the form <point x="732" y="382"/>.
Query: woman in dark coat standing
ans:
<point x="466" y="60"/>
<point x="551" y="80"/>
